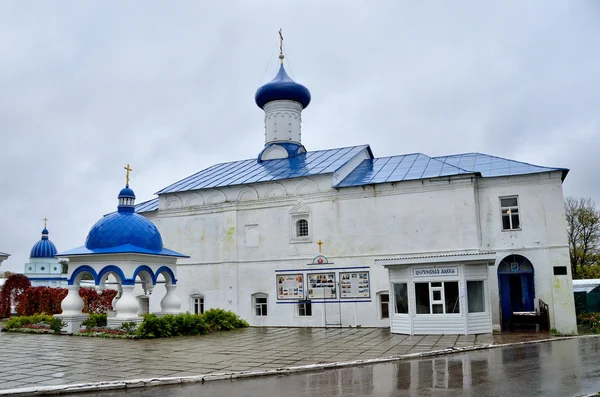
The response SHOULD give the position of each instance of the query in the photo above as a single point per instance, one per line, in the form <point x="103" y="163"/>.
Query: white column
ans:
<point x="170" y="304"/>
<point x="127" y="306"/>
<point x="72" y="304"/>
<point x="116" y="298"/>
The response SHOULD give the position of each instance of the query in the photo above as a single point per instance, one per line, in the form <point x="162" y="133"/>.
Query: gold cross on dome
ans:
<point x="319" y="243"/>
<point x="281" y="56"/>
<point x="45" y="220"/>
<point x="128" y="169"/>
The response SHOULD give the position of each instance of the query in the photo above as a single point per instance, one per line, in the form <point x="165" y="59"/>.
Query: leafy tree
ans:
<point x="12" y="289"/>
<point x="583" y="228"/>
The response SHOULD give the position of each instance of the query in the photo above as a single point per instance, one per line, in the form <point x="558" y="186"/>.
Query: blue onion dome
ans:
<point x="124" y="227"/>
<point x="43" y="248"/>
<point x="282" y="87"/>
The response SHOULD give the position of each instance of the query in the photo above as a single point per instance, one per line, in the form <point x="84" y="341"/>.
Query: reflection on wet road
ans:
<point x="561" y="368"/>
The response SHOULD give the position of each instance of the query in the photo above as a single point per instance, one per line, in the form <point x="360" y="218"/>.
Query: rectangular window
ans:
<point x="384" y="305"/>
<point x="260" y="306"/>
<point x="437" y="297"/>
<point x="401" y="298"/>
<point x="509" y="207"/>
<point x="475" y="296"/>
<point x="305" y="308"/>
<point x="198" y="305"/>
<point x="560" y="270"/>
<point x="422" y="298"/>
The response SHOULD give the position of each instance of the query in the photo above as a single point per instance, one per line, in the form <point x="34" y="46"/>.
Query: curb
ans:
<point x="149" y="382"/>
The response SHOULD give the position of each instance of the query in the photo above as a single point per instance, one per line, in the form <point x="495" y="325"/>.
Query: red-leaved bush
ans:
<point x="38" y="300"/>
<point x="46" y="300"/>
<point x="12" y="289"/>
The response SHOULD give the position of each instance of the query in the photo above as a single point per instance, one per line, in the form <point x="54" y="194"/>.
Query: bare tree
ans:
<point x="583" y="227"/>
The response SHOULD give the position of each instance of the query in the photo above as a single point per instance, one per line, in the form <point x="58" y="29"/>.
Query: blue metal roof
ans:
<point x="490" y="166"/>
<point x="420" y="166"/>
<point x="147" y="206"/>
<point x="44" y="248"/>
<point x="252" y="171"/>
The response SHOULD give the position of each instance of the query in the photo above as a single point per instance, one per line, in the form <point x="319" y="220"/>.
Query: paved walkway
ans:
<point x="28" y="360"/>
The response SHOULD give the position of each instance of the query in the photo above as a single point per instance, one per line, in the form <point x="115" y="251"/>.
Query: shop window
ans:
<point x="401" y="298"/>
<point x="260" y="304"/>
<point x="509" y="207"/>
<point x="475" y="296"/>
<point x="384" y="305"/>
<point x="305" y="308"/>
<point x="437" y="297"/>
<point x="197" y="304"/>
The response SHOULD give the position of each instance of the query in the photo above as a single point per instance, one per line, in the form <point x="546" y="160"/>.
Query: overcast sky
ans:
<point x="89" y="86"/>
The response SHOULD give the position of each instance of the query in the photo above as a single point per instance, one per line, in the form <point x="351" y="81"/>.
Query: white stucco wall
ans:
<point x="239" y="236"/>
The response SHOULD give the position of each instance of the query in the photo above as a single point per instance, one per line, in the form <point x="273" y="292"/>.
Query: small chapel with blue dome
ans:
<point x="123" y="251"/>
<point x="43" y="268"/>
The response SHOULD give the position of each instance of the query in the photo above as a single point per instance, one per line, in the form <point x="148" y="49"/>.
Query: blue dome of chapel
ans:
<point x="282" y="87"/>
<point x="124" y="227"/>
<point x="43" y="248"/>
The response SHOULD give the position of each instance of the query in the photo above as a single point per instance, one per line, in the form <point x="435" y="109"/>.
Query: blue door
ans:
<point x="505" y="303"/>
<point x="527" y="292"/>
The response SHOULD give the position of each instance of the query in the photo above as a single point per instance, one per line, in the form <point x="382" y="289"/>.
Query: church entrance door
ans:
<point x="516" y="285"/>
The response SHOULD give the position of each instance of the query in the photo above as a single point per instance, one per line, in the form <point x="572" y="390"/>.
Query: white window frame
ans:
<point x="380" y="304"/>
<point x="255" y="304"/>
<point x="442" y="300"/>
<point x="298" y="213"/>
<point x="201" y="303"/>
<point x="485" y="303"/>
<point x="509" y="214"/>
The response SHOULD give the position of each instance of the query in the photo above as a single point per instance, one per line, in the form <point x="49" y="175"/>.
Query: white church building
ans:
<point x="337" y="237"/>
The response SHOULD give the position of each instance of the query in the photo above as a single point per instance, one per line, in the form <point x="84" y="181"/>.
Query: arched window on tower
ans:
<point x="302" y="228"/>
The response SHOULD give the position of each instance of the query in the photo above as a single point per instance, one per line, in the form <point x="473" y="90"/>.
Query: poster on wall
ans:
<point x="354" y="285"/>
<point x="290" y="286"/>
<point x="321" y="285"/>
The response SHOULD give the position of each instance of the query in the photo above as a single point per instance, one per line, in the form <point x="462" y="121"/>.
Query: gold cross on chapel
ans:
<point x="45" y="220"/>
<point x="319" y="243"/>
<point x="128" y="169"/>
<point x="281" y="56"/>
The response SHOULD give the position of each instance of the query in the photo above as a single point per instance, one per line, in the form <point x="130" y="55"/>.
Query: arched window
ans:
<point x="302" y="228"/>
<point x="515" y="264"/>
<point x="260" y="302"/>
<point x="197" y="304"/>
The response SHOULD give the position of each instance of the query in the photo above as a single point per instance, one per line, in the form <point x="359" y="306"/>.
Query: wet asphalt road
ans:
<point x="561" y="368"/>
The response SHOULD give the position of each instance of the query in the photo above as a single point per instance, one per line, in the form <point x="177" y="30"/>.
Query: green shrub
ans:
<point x="189" y="324"/>
<point x="589" y="322"/>
<point x="21" y="321"/>
<point x="129" y="327"/>
<point x="223" y="320"/>
<point x="95" y="320"/>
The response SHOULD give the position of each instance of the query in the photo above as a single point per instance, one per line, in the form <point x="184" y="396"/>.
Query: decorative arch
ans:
<point x="173" y="202"/>
<point x="247" y="193"/>
<point x="217" y="197"/>
<point x="106" y="270"/>
<point x="306" y="186"/>
<point x="78" y="273"/>
<point x="275" y="190"/>
<point x="144" y="269"/>
<point x="515" y="264"/>
<point x="194" y="200"/>
<point x="168" y="273"/>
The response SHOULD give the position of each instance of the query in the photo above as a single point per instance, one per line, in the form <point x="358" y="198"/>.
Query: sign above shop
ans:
<point x="436" y="271"/>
